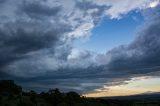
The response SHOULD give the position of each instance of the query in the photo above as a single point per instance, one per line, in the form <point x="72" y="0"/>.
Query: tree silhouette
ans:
<point x="55" y="96"/>
<point x="8" y="87"/>
<point x="72" y="97"/>
<point x="33" y="96"/>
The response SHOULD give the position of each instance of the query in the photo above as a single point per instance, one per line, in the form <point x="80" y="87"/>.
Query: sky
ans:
<point x="94" y="47"/>
<point x="104" y="36"/>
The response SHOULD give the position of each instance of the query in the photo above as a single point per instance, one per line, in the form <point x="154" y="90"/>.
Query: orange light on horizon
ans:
<point x="136" y="86"/>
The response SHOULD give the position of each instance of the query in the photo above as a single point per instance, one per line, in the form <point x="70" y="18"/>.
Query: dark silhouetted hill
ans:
<point x="11" y="94"/>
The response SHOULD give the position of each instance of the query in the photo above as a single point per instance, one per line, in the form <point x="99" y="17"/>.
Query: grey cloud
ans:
<point x="23" y="41"/>
<point x="142" y="55"/>
<point x="38" y="9"/>
<point x="97" y="10"/>
<point x="2" y="1"/>
<point x="36" y="52"/>
<point x="20" y="38"/>
<point x="23" y="35"/>
<point x="87" y="5"/>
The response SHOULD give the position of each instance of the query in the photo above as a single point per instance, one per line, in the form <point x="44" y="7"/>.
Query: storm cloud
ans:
<point x="37" y="49"/>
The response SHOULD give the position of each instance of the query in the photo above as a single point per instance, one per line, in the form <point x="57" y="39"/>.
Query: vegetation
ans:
<point x="12" y="95"/>
<point x="9" y="87"/>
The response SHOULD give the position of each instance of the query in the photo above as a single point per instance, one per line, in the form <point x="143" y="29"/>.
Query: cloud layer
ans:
<point x="36" y="41"/>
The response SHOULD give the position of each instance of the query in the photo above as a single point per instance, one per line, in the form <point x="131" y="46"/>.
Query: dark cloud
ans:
<point x="2" y="1"/>
<point x="142" y="55"/>
<point x="22" y="41"/>
<point x="24" y="34"/>
<point x="139" y="58"/>
<point x="36" y="49"/>
<point x="39" y="10"/>
<point x="20" y="38"/>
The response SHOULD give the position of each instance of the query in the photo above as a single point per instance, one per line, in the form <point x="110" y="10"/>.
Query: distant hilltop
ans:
<point x="143" y="96"/>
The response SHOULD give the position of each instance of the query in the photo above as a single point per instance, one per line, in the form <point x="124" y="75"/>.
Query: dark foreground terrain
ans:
<point x="12" y="95"/>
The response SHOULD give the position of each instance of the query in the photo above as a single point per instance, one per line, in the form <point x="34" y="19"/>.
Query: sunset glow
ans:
<point x="135" y="86"/>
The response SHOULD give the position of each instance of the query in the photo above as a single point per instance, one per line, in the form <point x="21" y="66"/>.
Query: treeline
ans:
<point x="11" y="94"/>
